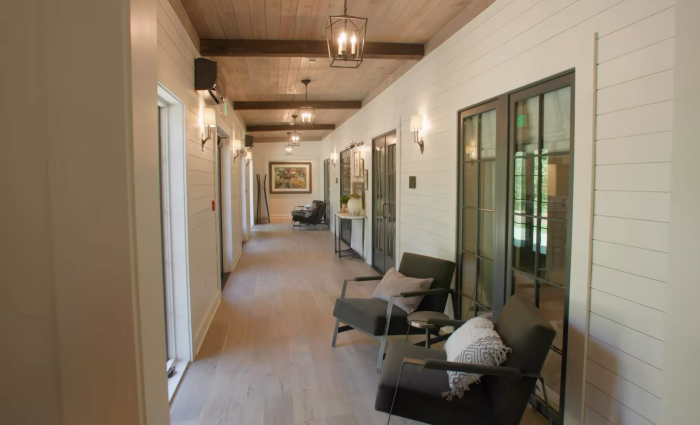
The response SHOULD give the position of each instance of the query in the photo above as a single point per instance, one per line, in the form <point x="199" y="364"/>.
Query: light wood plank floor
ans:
<point x="267" y="358"/>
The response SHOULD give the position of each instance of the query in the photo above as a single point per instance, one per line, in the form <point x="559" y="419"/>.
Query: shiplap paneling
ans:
<point x="654" y="118"/>
<point x="631" y="213"/>
<point x="611" y="410"/>
<point x="643" y="148"/>
<point x="642" y="402"/>
<point x="652" y="177"/>
<point x="650" y="60"/>
<point x="656" y="28"/>
<point x="638" y="233"/>
<point x="635" y="316"/>
<point x="652" y="206"/>
<point x="641" y="290"/>
<point x="631" y="368"/>
<point x="634" y="343"/>
<point x="654" y="88"/>
<point x="642" y="262"/>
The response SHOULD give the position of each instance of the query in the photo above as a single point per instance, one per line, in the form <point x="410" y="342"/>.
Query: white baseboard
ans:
<point x="235" y="260"/>
<point x="202" y="331"/>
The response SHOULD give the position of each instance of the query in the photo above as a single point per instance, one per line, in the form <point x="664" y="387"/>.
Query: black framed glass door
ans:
<point x="384" y="202"/>
<point x="515" y="185"/>
<point x="345" y="190"/>
<point x="327" y="189"/>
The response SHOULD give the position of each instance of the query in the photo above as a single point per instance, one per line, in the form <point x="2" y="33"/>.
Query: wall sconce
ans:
<point x="333" y="158"/>
<point x="209" y="121"/>
<point x="416" y="127"/>
<point x="237" y="153"/>
<point x="248" y="157"/>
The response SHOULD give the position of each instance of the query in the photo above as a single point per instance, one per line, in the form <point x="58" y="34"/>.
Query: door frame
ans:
<point x="173" y="157"/>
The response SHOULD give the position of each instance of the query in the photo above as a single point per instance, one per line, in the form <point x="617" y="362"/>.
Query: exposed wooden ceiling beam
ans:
<point x="295" y="104"/>
<point x="283" y="140"/>
<point x="303" y="48"/>
<point x="287" y="127"/>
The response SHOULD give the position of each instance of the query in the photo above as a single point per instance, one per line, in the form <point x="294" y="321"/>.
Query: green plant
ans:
<point x="344" y="200"/>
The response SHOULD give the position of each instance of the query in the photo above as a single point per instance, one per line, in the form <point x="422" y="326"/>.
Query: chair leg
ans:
<point x="546" y="401"/>
<point x="335" y="332"/>
<point x="380" y="359"/>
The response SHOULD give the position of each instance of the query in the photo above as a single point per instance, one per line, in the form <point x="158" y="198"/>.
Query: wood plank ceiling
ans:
<point x="279" y="78"/>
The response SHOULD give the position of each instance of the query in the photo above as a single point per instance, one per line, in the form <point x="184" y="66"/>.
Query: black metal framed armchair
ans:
<point x="379" y="319"/>
<point x="312" y="216"/>
<point x="414" y="378"/>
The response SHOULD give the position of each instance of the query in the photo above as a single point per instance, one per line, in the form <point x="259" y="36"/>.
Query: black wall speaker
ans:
<point x="248" y="141"/>
<point x="205" y="78"/>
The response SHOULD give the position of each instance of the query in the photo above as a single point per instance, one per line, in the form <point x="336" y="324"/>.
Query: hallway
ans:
<point x="267" y="358"/>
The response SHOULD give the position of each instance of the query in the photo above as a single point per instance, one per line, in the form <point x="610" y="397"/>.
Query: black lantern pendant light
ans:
<point x="306" y="113"/>
<point x="289" y="149"/>
<point x="294" y="136"/>
<point x="345" y="36"/>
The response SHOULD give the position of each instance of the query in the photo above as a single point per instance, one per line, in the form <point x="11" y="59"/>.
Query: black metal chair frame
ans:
<point x="505" y="371"/>
<point x="383" y="338"/>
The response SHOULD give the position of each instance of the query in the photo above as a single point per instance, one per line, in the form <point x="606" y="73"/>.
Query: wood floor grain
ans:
<point x="267" y="357"/>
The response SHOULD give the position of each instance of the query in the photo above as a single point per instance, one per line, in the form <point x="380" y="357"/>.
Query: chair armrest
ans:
<point x="366" y="278"/>
<point x="427" y="292"/>
<point x="474" y="368"/>
<point x="358" y="279"/>
<point x="447" y="322"/>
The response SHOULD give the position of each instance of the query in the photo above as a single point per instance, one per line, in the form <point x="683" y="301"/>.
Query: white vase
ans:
<point x="355" y="206"/>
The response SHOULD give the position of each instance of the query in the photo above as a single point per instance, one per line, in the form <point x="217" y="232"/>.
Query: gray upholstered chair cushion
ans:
<point x="369" y="315"/>
<point x="420" y="396"/>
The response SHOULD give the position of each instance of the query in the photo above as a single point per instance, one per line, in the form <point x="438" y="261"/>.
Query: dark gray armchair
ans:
<point x="311" y="216"/>
<point x="413" y="378"/>
<point x="379" y="319"/>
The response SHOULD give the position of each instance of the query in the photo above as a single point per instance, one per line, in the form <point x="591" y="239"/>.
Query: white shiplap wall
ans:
<point x="176" y="54"/>
<point x="517" y="42"/>
<point x="632" y="198"/>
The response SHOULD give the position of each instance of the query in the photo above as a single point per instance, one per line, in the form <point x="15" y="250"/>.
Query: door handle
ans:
<point x="384" y="210"/>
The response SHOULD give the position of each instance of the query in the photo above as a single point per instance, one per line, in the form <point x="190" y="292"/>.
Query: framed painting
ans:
<point x="290" y="177"/>
<point x="358" y="165"/>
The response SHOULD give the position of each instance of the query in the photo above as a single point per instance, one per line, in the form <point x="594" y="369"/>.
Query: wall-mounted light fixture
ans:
<point x="416" y="127"/>
<point x="354" y="145"/>
<point x="334" y="156"/>
<point x="248" y="157"/>
<point x="237" y="152"/>
<point x="209" y="122"/>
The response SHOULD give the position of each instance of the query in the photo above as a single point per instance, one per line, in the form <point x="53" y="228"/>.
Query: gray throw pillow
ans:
<point x="394" y="283"/>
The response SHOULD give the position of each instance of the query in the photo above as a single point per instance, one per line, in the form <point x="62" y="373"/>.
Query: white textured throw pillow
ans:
<point x="394" y="283"/>
<point x="474" y="342"/>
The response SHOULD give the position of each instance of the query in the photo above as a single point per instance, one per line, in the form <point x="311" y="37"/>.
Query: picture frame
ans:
<point x="290" y="177"/>
<point x="357" y="164"/>
<point x="366" y="179"/>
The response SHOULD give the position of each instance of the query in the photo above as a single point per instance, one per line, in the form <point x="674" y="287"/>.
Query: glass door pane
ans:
<point x="478" y="205"/>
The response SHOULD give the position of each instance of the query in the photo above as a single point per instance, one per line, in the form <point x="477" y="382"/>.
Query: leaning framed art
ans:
<point x="290" y="177"/>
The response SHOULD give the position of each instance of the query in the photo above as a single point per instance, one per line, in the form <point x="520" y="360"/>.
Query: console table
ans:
<point x="350" y="252"/>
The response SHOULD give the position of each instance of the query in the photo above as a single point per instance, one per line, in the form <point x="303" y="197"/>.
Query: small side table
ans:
<point x="419" y="320"/>
<point x="350" y="252"/>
